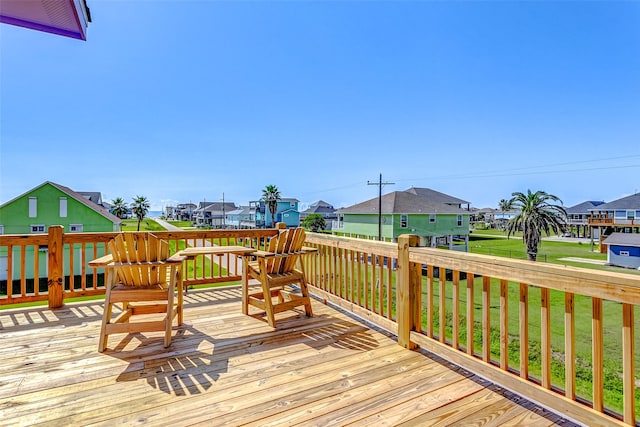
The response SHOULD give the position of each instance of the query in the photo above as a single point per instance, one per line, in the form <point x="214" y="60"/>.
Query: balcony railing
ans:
<point x="53" y="267"/>
<point x="607" y="220"/>
<point x="541" y="330"/>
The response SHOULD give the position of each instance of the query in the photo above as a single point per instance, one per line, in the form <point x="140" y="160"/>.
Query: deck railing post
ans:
<point x="56" y="272"/>
<point x="407" y="292"/>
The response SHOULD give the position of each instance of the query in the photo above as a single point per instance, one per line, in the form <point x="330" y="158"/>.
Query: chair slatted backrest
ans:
<point x="138" y="250"/>
<point x="288" y="242"/>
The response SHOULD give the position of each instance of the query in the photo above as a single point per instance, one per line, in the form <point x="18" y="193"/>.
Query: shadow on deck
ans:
<point x="224" y="368"/>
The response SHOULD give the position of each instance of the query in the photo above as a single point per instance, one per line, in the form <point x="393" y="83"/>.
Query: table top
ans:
<point x="215" y="250"/>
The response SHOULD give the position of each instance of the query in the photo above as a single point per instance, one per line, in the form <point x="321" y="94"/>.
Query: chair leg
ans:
<point x="106" y="313"/>
<point x="168" y="320"/>
<point x="245" y="286"/>
<point x="179" y="285"/>
<point x="304" y="290"/>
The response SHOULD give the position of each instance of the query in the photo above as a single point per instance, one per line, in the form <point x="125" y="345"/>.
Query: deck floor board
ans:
<point x="225" y="368"/>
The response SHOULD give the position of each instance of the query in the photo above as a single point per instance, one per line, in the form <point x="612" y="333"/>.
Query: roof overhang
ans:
<point x="68" y="18"/>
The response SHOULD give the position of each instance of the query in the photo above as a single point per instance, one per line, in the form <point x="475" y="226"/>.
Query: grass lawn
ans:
<point x="146" y="225"/>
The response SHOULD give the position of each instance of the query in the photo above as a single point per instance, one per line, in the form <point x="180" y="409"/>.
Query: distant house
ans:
<point x="623" y="249"/>
<point x="621" y="215"/>
<point x="182" y="212"/>
<point x="54" y="204"/>
<point x="578" y="217"/>
<point x="46" y="205"/>
<point x="438" y="197"/>
<point x="243" y="217"/>
<point x="212" y="214"/>
<point x="437" y="221"/>
<point x="286" y="212"/>
<point x="326" y="210"/>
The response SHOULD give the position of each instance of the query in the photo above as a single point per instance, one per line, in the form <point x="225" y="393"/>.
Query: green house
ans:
<point x="437" y="218"/>
<point x="45" y="205"/>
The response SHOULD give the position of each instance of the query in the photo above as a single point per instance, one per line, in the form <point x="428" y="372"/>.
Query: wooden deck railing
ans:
<point x="53" y="267"/>
<point x="525" y="325"/>
<point x="558" y="335"/>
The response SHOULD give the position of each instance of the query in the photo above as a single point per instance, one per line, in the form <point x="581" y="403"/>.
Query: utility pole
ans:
<point x="223" y="213"/>
<point x="379" y="184"/>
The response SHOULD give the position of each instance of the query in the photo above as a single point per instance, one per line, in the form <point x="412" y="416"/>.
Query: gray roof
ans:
<point x="402" y="202"/>
<point x="319" y="208"/>
<point x="583" y="207"/>
<point x="629" y="202"/>
<point x="82" y="199"/>
<point x="436" y="196"/>
<point x="623" y="239"/>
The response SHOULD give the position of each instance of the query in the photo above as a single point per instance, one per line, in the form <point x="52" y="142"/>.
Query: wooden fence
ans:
<point x="53" y="267"/>
<point x="512" y="321"/>
<point x="561" y="336"/>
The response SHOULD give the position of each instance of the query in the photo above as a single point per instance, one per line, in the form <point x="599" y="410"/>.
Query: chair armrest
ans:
<point x="261" y="254"/>
<point x="176" y="259"/>
<point x="103" y="261"/>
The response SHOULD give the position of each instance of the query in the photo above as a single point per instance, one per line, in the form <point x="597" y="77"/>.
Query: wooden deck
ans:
<point x="224" y="368"/>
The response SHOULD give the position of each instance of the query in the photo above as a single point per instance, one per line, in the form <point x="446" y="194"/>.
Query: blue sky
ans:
<point x="186" y="100"/>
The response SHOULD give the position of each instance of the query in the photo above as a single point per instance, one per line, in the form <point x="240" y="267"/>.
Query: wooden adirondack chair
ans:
<point x="279" y="266"/>
<point x="141" y="276"/>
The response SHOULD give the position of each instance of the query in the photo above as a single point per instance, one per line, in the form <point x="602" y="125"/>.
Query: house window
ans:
<point x="37" y="228"/>
<point x="624" y="253"/>
<point x="1" y="229"/>
<point x="293" y="204"/>
<point x="432" y="218"/>
<point x="404" y="221"/>
<point x="459" y="220"/>
<point x="630" y="214"/>
<point x="63" y="207"/>
<point x="75" y="228"/>
<point x="33" y="207"/>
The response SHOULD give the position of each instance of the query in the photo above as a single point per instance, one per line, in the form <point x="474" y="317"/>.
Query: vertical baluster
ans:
<point x="374" y="283"/>
<point x="36" y="270"/>
<point x="23" y="268"/>
<point x="545" y="339"/>
<point x="10" y="271"/>
<point x="486" y="319"/>
<point x="504" y="324"/>
<point x="430" y="301"/>
<point x="390" y="262"/>
<point x="442" y="279"/>
<point x="628" y="371"/>
<point x="456" y="310"/>
<point x="83" y="266"/>
<point x="381" y="285"/>
<point x="569" y="346"/>
<point x="470" y="313"/>
<point x="524" y="330"/>
<point x="597" y="350"/>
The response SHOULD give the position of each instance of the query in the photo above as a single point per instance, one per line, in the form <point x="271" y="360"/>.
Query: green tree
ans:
<point x="119" y="207"/>
<point x="270" y="196"/>
<point x="314" y="222"/>
<point x="505" y="205"/>
<point x="140" y="208"/>
<point x="538" y="214"/>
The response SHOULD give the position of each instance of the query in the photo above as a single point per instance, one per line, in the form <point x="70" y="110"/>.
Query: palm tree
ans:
<point x="537" y="214"/>
<point x="140" y="208"/>
<point x="505" y="205"/>
<point x="271" y="195"/>
<point x="119" y="207"/>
